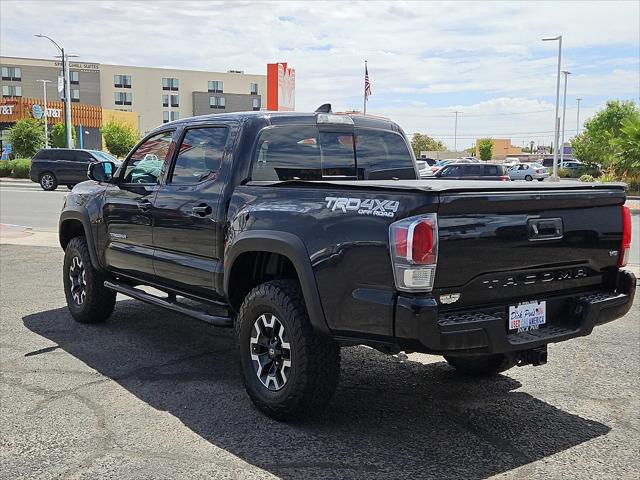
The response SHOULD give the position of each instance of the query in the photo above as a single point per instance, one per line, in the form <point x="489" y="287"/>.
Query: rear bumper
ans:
<point x="420" y="326"/>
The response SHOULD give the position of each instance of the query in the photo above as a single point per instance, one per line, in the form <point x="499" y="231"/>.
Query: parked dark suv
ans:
<point x="51" y="167"/>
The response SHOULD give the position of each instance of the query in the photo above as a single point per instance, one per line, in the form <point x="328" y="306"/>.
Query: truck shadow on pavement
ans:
<point x="388" y="419"/>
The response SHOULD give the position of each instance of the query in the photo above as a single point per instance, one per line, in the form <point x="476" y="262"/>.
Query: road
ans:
<point x="151" y="394"/>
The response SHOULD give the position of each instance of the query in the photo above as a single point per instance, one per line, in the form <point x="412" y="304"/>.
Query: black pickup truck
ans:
<point x="311" y="231"/>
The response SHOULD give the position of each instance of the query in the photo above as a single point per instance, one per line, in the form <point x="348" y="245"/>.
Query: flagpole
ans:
<point x="365" y="91"/>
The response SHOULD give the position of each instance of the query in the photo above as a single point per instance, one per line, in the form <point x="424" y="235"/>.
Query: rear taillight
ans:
<point x="538" y="171"/>
<point x="504" y="178"/>
<point x="414" y="252"/>
<point x="625" y="248"/>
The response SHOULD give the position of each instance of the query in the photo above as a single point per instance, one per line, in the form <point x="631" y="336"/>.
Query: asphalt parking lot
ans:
<point x="154" y="395"/>
<point x="151" y="394"/>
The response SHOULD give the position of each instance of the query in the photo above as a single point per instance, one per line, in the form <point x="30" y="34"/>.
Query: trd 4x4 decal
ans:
<point x="366" y="206"/>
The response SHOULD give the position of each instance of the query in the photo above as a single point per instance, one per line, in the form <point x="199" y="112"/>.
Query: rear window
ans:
<point x="491" y="170"/>
<point x="305" y="153"/>
<point x="383" y="155"/>
<point x="472" y="170"/>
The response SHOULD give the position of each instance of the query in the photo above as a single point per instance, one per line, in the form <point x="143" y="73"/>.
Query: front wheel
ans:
<point x="528" y="178"/>
<point x="481" y="365"/>
<point x="541" y="179"/>
<point x="48" y="181"/>
<point x="289" y="371"/>
<point x="87" y="298"/>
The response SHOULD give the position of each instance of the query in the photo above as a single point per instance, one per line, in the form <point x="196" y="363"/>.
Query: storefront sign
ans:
<point x="6" y="109"/>
<point x="83" y="67"/>
<point x="38" y="112"/>
<point x="281" y="87"/>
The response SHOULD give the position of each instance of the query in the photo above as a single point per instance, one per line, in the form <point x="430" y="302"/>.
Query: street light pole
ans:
<point x="46" y="127"/>
<point x="564" y="116"/>
<point x="578" y="117"/>
<point x="67" y="89"/>
<point x="455" y="133"/>
<point x="554" y="176"/>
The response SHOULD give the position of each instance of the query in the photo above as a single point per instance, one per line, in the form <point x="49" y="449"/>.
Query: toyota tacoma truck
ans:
<point x="307" y="232"/>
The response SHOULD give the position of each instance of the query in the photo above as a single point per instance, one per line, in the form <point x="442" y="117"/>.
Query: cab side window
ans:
<point x="200" y="155"/>
<point x="145" y="163"/>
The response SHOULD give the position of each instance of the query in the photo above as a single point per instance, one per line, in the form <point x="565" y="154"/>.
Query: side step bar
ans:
<point x="169" y="304"/>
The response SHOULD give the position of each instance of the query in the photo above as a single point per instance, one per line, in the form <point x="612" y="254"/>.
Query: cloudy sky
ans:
<point x="426" y="59"/>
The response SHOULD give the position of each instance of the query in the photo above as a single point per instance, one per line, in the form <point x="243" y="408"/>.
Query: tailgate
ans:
<point x="504" y="245"/>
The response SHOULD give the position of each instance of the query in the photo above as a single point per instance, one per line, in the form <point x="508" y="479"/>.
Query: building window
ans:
<point x="175" y="100"/>
<point x="216" y="86"/>
<point x="255" y="103"/>
<point x="254" y="89"/>
<point x="216" y="102"/>
<point x="165" y="100"/>
<point x="170" y="84"/>
<point x="122" y="81"/>
<point x="11" y="91"/>
<point x="175" y="115"/>
<point x="74" y="78"/>
<point x="123" y="98"/>
<point x="165" y="116"/>
<point x="12" y="73"/>
<point x="75" y="95"/>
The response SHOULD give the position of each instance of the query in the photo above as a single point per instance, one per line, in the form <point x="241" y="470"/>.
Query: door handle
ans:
<point x="201" y="210"/>
<point x="144" y="205"/>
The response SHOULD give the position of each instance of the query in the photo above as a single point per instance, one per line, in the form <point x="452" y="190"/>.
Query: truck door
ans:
<point x="127" y="208"/>
<point x="186" y="213"/>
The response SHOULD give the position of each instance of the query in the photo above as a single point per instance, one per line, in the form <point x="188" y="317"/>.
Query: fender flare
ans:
<point x="291" y="247"/>
<point x="83" y="217"/>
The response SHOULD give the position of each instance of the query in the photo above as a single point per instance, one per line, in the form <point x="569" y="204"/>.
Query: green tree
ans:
<point x="627" y="145"/>
<point x="58" y="137"/>
<point x="485" y="149"/>
<point x="425" y="143"/>
<point x="119" y="138"/>
<point x="26" y="137"/>
<point x="598" y="143"/>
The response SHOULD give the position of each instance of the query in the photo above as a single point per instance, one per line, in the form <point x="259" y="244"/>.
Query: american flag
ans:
<point x="367" y="83"/>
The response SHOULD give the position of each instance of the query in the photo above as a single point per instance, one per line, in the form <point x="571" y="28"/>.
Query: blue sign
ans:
<point x="6" y="152"/>
<point x="37" y="111"/>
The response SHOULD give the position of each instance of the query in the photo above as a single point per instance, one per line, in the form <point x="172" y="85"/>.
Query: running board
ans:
<point x="169" y="304"/>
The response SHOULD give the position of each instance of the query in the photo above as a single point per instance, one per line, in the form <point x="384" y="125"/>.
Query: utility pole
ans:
<point x="578" y="117"/>
<point x="46" y="127"/>
<point x="554" y="176"/>
<point x="564" y="115"/>
<point x="455" y="133"/>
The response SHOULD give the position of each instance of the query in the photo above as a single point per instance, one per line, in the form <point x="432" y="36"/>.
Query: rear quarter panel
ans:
<point x="348" y="248"/>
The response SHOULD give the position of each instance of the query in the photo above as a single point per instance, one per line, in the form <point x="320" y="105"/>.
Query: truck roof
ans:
<point x="284" y="118"/>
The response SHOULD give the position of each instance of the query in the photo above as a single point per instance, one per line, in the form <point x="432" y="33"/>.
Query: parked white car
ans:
<point x="528" y="172"/>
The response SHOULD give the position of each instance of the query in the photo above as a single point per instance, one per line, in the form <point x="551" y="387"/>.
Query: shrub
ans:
<point x="564" y="173"/>
<point x="58" y="137"/>
<point x="119" y="138"/>
<point x="27" y="137"/>
<point x="608" y="176"/>
<point x="633" y="183"/>
<point x="20" y="168"/>
<point x="5" y="168"/>
<point x="587" y="178"/>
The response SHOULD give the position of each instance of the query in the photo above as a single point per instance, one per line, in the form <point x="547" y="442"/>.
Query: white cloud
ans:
<point x="482" y="58"/>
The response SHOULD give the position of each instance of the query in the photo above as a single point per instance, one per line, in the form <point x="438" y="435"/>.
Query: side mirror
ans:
<point x="101" y="171"/>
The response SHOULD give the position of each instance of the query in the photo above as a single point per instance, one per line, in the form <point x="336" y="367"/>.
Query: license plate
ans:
<point x="527" y="316"/>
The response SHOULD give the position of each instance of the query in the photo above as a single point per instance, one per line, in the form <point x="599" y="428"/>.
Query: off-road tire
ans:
<point x="98" y="302"/>
<point x="315" y="359"/>
<point x="481" y="365"/>
<point x="48" y="181"/>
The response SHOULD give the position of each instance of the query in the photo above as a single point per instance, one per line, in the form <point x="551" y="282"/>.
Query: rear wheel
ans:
<point x="541" y="179"/>
<point x="482" y="365"/>
<point x="289" y="371"/>
<point x="48" y="181"/>
<point x="87" y="298"/>
<point x="70" y="187"/>
<point x="528" y="178"/>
